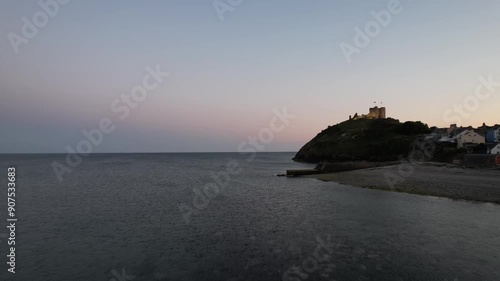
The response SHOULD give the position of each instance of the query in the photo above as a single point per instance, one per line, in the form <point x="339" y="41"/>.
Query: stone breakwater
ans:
<point x="324" y="168"/>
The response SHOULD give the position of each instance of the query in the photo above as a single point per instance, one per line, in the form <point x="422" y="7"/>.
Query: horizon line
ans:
<point x="182" y="152"/>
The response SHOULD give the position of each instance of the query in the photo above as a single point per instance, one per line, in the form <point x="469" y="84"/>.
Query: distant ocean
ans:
<point x="222" y="216"/>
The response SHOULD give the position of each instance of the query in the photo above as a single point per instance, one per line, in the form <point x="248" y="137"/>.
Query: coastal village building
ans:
<point x="469" y="137"/>
<point x="374" y="113"/>
<point x="451" y="134"/>
<point x="437" y="134"/>
<point x="452" y="128"/>
<point x="496" y="149"/>
<point x="446" y="138"/>
<point x="493" y="135"/>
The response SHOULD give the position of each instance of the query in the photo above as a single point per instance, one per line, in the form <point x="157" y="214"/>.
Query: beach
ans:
<point x="435" y="179"/>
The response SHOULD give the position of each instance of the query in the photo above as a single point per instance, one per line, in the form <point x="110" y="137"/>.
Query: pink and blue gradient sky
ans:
<point x="227" y="76"/>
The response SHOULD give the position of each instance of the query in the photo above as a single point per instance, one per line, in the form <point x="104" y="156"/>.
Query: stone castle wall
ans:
<point x="374" y="113"/>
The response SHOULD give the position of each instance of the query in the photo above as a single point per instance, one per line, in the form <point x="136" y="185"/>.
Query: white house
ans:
<point x="496" y="149"/>
<point x="469" y="136"/>
<point x="447" y="139"/>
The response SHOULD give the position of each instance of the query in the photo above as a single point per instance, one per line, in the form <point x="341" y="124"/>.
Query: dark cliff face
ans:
<point x="362" y="139"/>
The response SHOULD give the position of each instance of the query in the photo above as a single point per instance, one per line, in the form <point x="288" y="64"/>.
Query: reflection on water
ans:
<point x="117" y="216"/>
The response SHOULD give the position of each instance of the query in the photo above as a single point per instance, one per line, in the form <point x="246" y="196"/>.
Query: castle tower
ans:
<point x="374" y="112"/>
<point x="382" y="113"/>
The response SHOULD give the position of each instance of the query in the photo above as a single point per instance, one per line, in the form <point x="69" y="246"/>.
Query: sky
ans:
<point x="233" y="63"/>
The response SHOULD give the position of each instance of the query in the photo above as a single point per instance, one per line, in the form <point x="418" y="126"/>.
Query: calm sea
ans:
<point x="120" y="217"/>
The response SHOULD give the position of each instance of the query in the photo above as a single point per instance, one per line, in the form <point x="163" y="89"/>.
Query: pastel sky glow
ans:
<point x="227" y="76"/>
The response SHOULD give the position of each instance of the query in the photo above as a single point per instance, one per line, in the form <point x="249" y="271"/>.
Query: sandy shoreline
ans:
<point x="434" y="179"/>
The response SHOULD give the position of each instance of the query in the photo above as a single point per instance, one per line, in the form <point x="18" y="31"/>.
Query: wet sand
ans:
<point x="434" y="179"/>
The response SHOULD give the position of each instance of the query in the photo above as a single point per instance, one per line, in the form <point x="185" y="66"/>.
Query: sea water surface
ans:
<point x="118" y="217"/>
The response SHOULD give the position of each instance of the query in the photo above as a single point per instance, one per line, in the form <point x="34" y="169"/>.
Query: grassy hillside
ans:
<point x="362" y="139"/>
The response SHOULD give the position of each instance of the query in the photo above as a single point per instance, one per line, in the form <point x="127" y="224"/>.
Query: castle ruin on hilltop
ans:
<point x="374" y="113"/>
